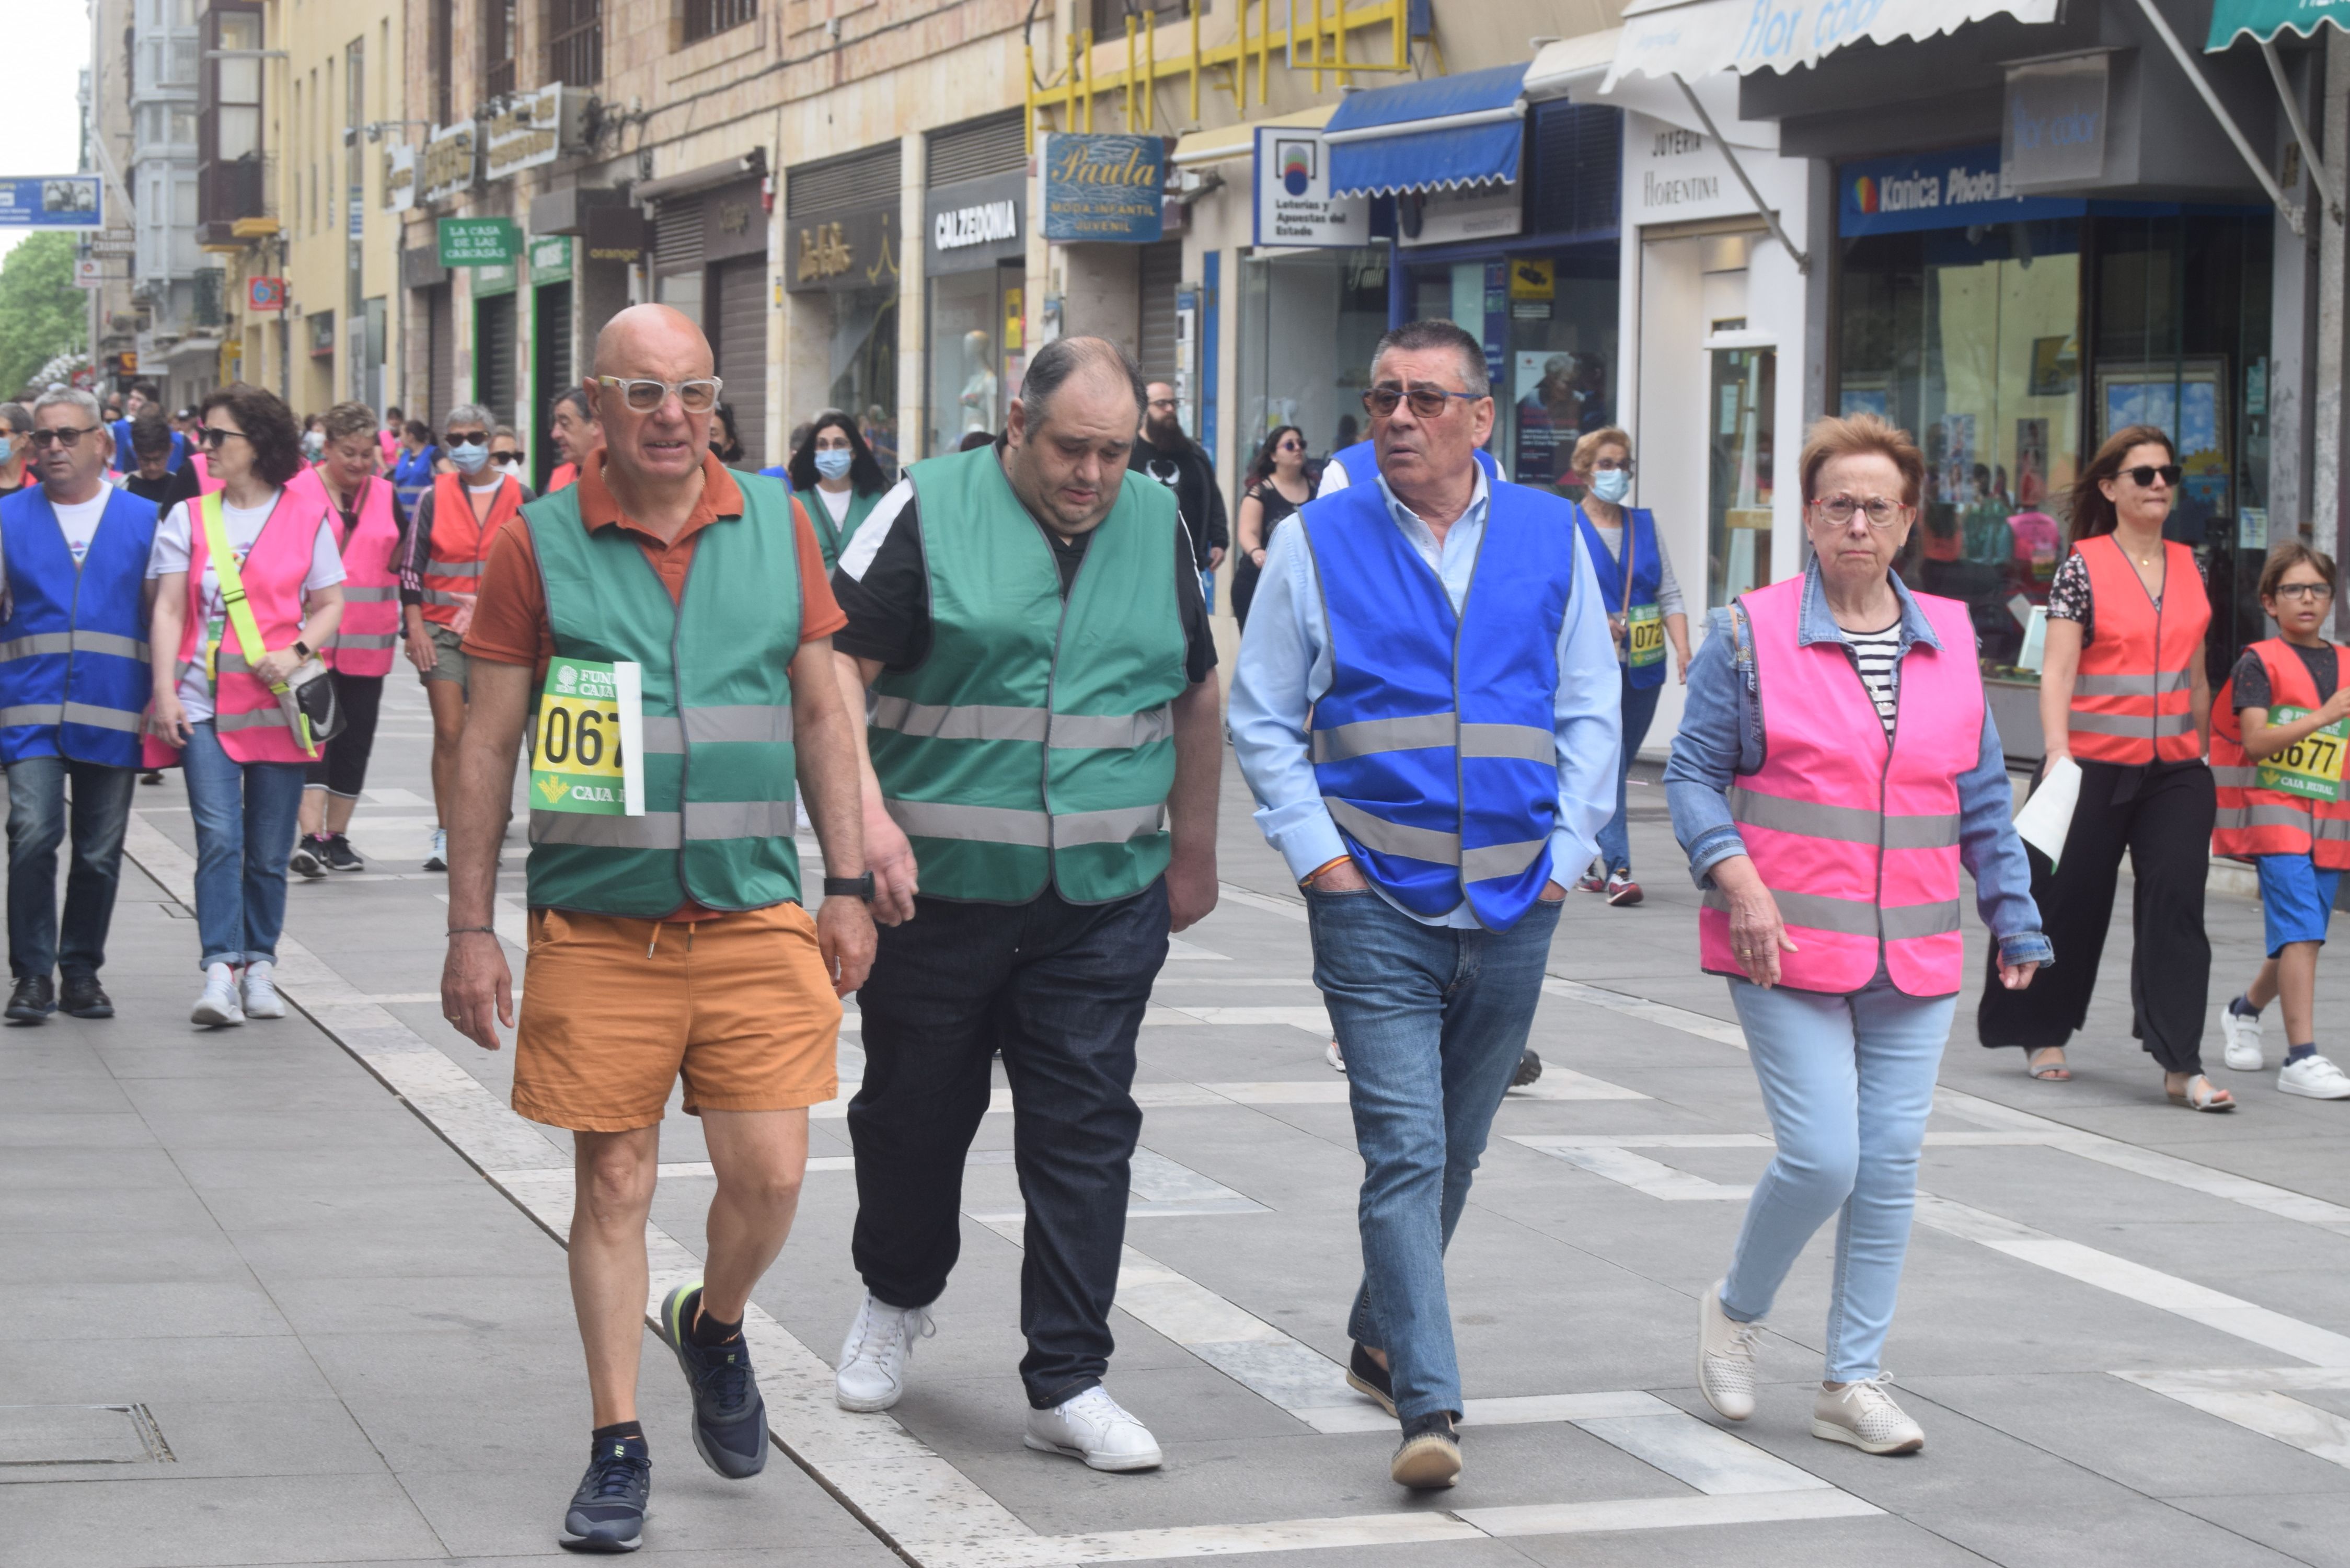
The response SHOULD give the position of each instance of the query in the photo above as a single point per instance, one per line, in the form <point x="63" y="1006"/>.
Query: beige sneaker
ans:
<point x="1725" y="1357"/>
<point x="1864" y="1414"/>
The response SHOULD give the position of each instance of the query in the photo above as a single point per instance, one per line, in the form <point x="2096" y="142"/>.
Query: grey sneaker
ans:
<point x="1725" y="1356"/>
<point x="1864" y="1414"/>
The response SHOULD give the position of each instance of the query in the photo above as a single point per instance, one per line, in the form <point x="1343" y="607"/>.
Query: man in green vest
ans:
<point x="1026" y="636"/>
<point x="663" y="628"/>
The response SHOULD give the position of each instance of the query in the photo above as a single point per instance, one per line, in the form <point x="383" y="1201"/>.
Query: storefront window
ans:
<point x="1740" y="399"/>
<point x="976" y="353"/>
<point x="864" y="366"/>
<point x="1308" y="327"/>
<point x="1548" y="323"/>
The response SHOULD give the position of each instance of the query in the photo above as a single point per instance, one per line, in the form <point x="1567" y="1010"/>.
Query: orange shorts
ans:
<point x="739" y="1005"/>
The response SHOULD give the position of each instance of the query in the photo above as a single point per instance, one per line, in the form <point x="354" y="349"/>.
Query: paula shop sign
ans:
<point x="1104" y="187"/>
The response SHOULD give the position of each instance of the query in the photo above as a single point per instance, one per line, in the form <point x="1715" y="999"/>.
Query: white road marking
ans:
<point x="1180" y="952"/>
<point x="2257" y="1399"/>
<point x="406" y="798"/>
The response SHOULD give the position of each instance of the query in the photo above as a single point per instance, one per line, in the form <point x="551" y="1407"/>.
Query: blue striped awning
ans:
<point x="1429" y="135"/>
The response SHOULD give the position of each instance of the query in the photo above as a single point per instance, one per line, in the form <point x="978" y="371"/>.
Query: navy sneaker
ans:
<point x="607" y="1512"/>
<point x="730" y="1417"/>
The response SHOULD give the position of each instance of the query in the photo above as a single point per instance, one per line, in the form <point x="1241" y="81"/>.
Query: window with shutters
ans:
<point x="975" y="149"/>
<point x="497" y="47"/>
<point x="1109" y="15"/>
<point x="1575" y="167"/>
<point x="707" y="18"/>
<point x="867" y="178"/>
<point x="444" y="45"/>
<point x="1160" y="272"/>
<point x="575" y="42"/>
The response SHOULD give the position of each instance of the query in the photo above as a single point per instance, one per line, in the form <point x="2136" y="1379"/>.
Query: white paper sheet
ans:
<point x="628" y="683"/>
<point x="2048" y="814"/>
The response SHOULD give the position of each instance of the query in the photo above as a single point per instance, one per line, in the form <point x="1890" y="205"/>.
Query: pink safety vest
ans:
<point x="245" y="713"/>
<point x="205" y="482"/>
<point x="1856" y="840"/>
<point x="370" y="628"/>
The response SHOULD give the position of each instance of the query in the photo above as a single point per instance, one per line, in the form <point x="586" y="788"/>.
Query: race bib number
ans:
<point x="2312" y="766"/>
<point x="1644" y="636"/>
<point x="590" y="727"/>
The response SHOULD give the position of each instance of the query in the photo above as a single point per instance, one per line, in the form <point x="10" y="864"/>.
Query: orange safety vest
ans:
<point x="2254" y="821"/>
<point x="454" y="555"/>
<point x="2132" y="702"/>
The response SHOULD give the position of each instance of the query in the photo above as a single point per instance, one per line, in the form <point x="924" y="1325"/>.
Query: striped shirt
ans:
<point x="1874" y="652"/>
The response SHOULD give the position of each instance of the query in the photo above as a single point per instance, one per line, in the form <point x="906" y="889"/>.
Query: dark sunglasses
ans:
<point x="212" y="436"/>
<point x="2145" y="475"/>
<point x="63" y="436"/>
<point x="506" y="457"/>
<point x="1428" y="402"/>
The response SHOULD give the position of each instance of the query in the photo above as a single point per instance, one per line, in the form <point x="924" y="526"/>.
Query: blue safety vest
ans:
<point x="1646" y="577"/>
<point x="1361" y="461"/>
<point x="74" y="677"/>
<point x="411" y="476"/>
<point x="1435" y="748"/>
<point x="127" y="460"/>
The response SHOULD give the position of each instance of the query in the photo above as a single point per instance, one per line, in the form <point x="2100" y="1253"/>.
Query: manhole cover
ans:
<point x="80" y="1435"/>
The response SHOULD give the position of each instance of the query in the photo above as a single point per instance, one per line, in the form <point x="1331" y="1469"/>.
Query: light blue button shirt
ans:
<point x="1285" y="669"/>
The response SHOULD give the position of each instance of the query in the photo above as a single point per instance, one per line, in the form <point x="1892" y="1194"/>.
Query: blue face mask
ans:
<point x="468" y="457"/>
<point x="833" y="465"/>
<point x="1611" y="485"/>
<point x="7" y="449"/>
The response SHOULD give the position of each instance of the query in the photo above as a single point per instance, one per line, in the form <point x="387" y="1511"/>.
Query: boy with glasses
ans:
<point x="2277" y="750"/>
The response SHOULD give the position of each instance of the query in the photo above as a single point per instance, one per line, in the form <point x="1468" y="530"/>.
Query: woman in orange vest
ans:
<point x="2124" y="694"/>
<point x="456" y="523"/>
<point x="2280" y="714"/>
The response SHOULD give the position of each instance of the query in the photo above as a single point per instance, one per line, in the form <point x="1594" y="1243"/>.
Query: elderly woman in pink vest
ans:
<point x="1835" y="767"/>
<point x="215" y="698"/>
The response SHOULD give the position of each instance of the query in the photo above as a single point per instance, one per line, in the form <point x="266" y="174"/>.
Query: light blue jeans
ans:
<point x="245" y="815"/>
<point x="1848" y="1081"/>
<point x="1431" y="1021"/>
<point x="1616" y="838"/>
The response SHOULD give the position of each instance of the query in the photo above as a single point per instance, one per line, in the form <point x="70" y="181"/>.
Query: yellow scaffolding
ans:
<point x="1311" y="37"/>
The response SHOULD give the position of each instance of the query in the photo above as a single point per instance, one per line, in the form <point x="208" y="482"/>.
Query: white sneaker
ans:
<point x="218" y="1004"/>
<point x="1094" y="1429"/>
<point x="436" y="853"/>
<point x="261" y="998"/>
<point x="871" y="1373"/>
<point x="2243" y="1036"/>
<point x="1331" y="1055"/>
<point x="1864" y="1414"/>
<point x="1725" y="1356"/>
<point x="2313" y="1078"/>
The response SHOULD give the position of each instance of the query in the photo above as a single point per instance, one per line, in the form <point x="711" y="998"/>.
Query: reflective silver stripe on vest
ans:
<point x="1844" y="823"/>
<point x="1367" y="737"/>
<point x="33" y="714"/>
<point x="370" y="596"/>
<point x="1854" y="916"/>
<point x="349" y="640"/>
<point x="80" y="641"/>
<point x="2241" y="817"/>
<point x="2131" y="685"/>
<point x="1385" y="838"/>
<point x="1113" y="827"/>
<point x="2132" y="726"/>
<point x="979" y="722"/>
<point x="753" y="722"/>
<point x="87" y="641"/>
<point x="453" y="569"/>
<point x="1492" y="860"/>
<point x="653" y="830"/>
<point x="32" y="646"/>
<point x="98" y="718"/>
<point x="2235" y="778"/>
<point x="1522" y="742"/>
<point x="979" y="824"/>
<point x="435" y="596"/>
<point x="2330" y="827"/>
<point x="713" y="819"/>
<point x="1111" y="732"/>
<point x="259" y="719"/>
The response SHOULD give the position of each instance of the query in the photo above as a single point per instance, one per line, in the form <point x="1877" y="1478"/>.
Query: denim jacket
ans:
<point x="1721" y="737"/>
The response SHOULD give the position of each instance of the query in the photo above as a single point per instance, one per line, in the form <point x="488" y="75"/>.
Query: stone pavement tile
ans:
<point x="356" y="1128"/>
<point x="2139" y="1533"/>
<point x="2159" y="1447"/>
<point x="117" y="1129"/>
<point x="192" y="1253"/>
<point x="123" y="1212"/>
<point x="226" y="1058"/>
<point x="156" y="1371"/>
<point x="979" y="1419"/>
<point x="255" y="1092"/>
<point x="517" y="1509"/>
<point x="463" y="1368"/>
<point x="2067" y="1195"/>
<point x="429" y="1193"/>
<point x="43" y="1057"/>
<point x="232" y="1439"/>
<point x="1426" y="1554"/>
<point x="67" y="1095"/>
<point x="161" y="1522"/>
<point x="2317" y="1166"/>
<point x="2312" y="1528"/>
<point x="481" y="1242"/>
<point x="422" y="1301"/>
<point x="1800" y="1544"/>
<point x="322" y="1157"/>
<point x="152" y="1310"/>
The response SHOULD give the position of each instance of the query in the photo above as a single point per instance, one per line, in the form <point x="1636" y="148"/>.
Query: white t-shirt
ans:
<point x="836" y="505"/>
<point x="79" y="521"/>
<point x="243" y="524"/>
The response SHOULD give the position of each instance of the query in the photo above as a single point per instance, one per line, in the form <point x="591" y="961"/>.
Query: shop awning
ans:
<point x="1229" y="141"/>
<point x="1429" y="135"/>
<point x="1577" y="69"/>
<point x="2262" y="20"/>
<point x="1694" y="39"/>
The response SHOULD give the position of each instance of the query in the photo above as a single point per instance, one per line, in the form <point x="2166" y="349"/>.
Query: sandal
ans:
<point x="2201" y="1094"/>
<point x="2047" y="1072"/>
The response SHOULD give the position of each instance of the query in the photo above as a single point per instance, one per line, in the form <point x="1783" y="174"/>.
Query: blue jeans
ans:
<point x="1848" y="1081"/>
<point x="36" y="825"/>
<point x="1431" y="1021"/>
<point x="1616" y="838"/>
<point x="245" y="815"/>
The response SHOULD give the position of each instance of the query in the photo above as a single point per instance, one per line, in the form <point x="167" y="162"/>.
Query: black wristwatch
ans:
<point x="301" y="648"/>
<point x="849" y="887"/>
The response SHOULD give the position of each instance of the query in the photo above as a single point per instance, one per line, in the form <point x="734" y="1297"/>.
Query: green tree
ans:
<point x="41" y="314"/>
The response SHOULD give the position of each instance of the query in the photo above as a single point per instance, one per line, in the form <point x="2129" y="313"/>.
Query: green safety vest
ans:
<point x="830" y="539"/>
<point x="1035" y="742"/>
<point x="717" y="754"/>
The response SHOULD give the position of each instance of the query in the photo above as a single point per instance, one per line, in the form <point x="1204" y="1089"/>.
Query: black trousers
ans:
<point x="1060" y="990"/>
<point x="2162" y="817"/>
<point x="343" y="770"/>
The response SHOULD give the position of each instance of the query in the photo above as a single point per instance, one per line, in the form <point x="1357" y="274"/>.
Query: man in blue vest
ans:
<point x="1358" y="464"/>
<point x="1425" y="709"/>
<point x="142" y="397"/>
<point x="74" y="682"/>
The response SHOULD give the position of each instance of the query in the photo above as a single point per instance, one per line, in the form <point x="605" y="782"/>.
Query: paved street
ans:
<point x="308" y="1273"/>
